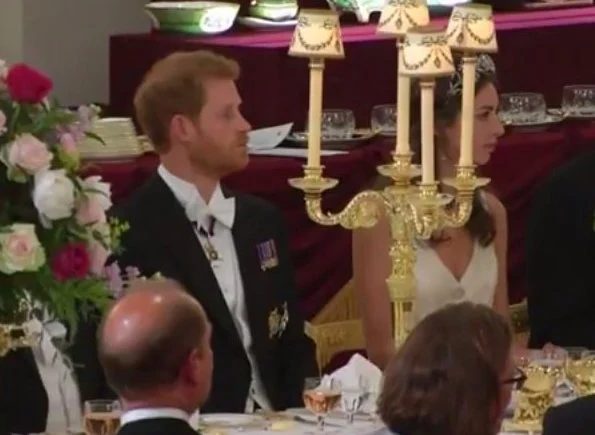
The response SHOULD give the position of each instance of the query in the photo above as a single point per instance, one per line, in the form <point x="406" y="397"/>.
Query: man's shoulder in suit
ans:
<point x="573" y="173"/>
<point x="572" y="418"/>
<point x="141" y="199"/>
<point x="157" y="426"/>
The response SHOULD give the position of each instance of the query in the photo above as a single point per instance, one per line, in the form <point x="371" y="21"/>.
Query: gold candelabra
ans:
<point x="413" y="211"/>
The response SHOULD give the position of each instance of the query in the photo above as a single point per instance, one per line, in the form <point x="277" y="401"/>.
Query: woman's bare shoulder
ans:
<point x="495" y="206"/>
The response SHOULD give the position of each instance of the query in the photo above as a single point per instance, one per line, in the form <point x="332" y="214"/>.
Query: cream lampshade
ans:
<point x="426" y="54"/>
<point x="317" y="35"/>
<point x="398" y="16"/>
<point x="471" y="29"/>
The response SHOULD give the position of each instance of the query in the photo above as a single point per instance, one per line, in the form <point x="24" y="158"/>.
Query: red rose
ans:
<point x="27" y="85"/>
<point x="71" y="261"/>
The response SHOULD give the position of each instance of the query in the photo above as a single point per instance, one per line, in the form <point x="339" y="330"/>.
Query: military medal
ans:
<point x="210" y="249"/>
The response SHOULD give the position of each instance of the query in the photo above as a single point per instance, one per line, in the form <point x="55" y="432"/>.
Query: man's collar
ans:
<point x="220" y="207"/>
<point x="150" y="413"/>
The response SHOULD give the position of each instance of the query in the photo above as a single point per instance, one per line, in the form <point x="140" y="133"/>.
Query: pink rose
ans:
<point x="29" y="154"/>
<point x="90" y="212"/>
<point x="97" y="251"/>
<point x="68" y="143"/>
<point x="98" y="257"/>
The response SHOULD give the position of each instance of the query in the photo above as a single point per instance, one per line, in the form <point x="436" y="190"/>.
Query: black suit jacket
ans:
<point x="158" y="426"/>
<point x="573" y="418"/>
<point x="23" y="399"/>
<point x="161" y="239"/>
<point x="560" y="256"/>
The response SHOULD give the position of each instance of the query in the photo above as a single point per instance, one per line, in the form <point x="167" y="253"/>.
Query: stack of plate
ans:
<point x="120" y="139"/>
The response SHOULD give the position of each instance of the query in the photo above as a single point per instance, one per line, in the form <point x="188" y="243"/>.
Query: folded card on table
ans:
<point x="268" y="138"/>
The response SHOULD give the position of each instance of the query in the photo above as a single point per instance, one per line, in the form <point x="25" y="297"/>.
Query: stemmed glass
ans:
<point x="320" y="399"/>
<point x="352" y="395"/>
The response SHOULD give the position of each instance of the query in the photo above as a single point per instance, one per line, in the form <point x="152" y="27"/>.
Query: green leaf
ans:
<point x="15" y="118"/>
<point x="94" y="136"/>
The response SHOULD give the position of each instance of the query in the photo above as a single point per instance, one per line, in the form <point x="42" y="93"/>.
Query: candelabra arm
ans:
<point x="465" y="183"/>
<point x="363" y="211"/>
<point x="457" y="215"/>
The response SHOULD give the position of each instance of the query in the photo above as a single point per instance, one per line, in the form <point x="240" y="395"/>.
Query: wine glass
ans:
<point x="102" y="417"/>
<point x="522" y="107"/>
<point x="578" y="100"/>
<point x="383" y="119"/>
<point x="352" y="395"/>
<point x="337" y="124"/>
<point x="320" y="399"/>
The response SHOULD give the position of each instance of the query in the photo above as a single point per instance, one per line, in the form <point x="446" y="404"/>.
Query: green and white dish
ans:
<point x="273" y="10"/>
<point x="262" y="24"/>
<point x="193" y="17"/>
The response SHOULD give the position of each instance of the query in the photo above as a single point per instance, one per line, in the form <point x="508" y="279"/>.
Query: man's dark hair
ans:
<point x="156" y="359"/>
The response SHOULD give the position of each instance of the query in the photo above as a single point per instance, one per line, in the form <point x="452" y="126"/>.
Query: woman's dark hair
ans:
<point x="447" y="106"/>
<point x="445" y="379"/>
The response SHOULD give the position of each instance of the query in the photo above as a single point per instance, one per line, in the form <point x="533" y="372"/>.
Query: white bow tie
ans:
<point x="224" y="210"/>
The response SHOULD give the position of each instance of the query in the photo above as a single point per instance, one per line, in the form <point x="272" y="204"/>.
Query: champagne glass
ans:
<point x="320" y="399"/>
<point x="352" y="395"/>
<point x="102" y="417"/>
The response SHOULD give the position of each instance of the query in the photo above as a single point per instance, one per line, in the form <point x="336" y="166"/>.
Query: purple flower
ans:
<point x="85" y="117"/>
<point x="131" y="273"/>
<point x="113" y="276"/>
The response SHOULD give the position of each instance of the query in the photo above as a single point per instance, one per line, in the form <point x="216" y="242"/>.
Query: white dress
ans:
<point x="437" y="286"/>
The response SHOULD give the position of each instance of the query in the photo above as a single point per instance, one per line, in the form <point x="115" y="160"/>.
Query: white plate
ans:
<point x="335" y="418"/>
<point x="259" y="23"/>
<point x="558" y="112"/>
<point x="548" y="119"/>
<point x="300" y="139"/>
<point x="387" y="133"/>
<point x="231" y="420"/>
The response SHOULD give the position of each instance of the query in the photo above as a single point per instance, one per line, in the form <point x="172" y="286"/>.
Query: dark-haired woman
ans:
<point x="464" y="264"/>
<point x="453" y="375"/>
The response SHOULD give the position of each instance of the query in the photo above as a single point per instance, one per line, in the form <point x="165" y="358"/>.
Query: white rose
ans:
<point x="98" y="191"/>
<point x="20" y="250"/>
<point x="53" y="194"/>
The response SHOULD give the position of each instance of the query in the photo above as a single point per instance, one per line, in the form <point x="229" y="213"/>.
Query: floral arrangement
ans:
<point x="55" y="236"/>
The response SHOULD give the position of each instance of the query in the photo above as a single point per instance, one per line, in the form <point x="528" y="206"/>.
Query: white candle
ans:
<point x="403" y="104"/>
<point x="467" y="113"/>
<point x="427" y="132"/>
<point x="315" y="112"/>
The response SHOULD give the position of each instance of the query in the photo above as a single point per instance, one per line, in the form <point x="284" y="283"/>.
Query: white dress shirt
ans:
<point x="147" y="413"/>
<point x="225" y="268"/>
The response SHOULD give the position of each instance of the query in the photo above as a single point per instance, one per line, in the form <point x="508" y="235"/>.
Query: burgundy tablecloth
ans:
<point x="539" y="51"/>
<point x="322" y="255"/>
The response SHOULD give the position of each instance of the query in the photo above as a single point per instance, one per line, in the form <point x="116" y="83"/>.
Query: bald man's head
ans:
<point x="148" y="335"/>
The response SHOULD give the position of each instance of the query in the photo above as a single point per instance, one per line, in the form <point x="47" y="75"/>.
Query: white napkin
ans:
<point x="57" y="374"/>
<point x="350" y="373"/>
